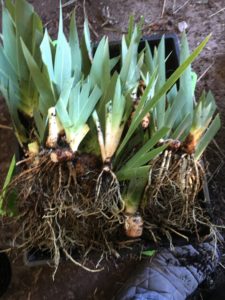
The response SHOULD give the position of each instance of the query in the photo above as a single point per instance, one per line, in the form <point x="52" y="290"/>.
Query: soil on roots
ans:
<point x="175" y="201"/>
<point x="58" y="209"/>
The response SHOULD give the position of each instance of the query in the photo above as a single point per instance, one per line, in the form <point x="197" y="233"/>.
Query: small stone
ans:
<point x="182" y="26"/>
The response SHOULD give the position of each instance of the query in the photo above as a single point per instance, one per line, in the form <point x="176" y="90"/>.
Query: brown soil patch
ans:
<point x="111" y="18"/>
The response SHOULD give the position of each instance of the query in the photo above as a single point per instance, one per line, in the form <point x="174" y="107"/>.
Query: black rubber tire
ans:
<point x="5" y="273"/>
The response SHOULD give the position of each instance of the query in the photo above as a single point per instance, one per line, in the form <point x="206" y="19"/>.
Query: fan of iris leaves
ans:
<point x="93" y="93"/>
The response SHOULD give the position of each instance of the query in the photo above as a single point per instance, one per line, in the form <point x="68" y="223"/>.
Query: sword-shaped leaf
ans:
<point x="41" y="124"/>
<point x="10" y="7"/>
<point x="134" y="193"/>
<point x="41" y="81"/>
<point x="74" y="108"/>
<point x="142" y="154"/>
<point x="128" y="73"/>
<point x="6" y="71"/>
<point x="62" y="63"/>
<point x="161" y="105"/>
<point x="46" y="53"/>
<point x="12" y="99"/>
<point x="86" y="50"/>
<point x="24" y="29"/>
<point x="186" y="79"/>
<point x="131" y="26"/>
<point x="6" y="184"/>
<point x="174" y="109"/>
<point x="168" y="84"/>
<point x="75" y="46"/>
<point x="203" y="112"/>
<point x="208" y="136"/>
<point x="100" y="69"/>
<point x="87" y="38"/>
<point x="9" y="39"/>
<point x="62" y="104"/>
<point x="148" y="60"/>
<point x="124" y="49"/>
<point x="183" y="128"/>
<point x="129" y="173"/>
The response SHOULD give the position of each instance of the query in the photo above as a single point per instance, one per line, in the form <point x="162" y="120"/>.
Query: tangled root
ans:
<point x="77" y="204"/>
<point x="108" y="199"/>
<point x="59" y="209"/>
<point x="173" y="199"/>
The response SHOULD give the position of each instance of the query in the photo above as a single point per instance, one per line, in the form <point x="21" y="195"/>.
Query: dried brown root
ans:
<point x="58" y="209"/>
<point x="173" y="199"/>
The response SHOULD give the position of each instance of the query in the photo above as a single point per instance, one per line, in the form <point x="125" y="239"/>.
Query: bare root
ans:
<point x="108" y="199"/>
<point x="173" y="198"/>
<point x="58" y="209"/>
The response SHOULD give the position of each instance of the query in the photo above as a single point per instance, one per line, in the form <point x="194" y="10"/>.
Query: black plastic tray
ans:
<point x="36" y="257"/>
<point x="172" y="49"/>
<point x="5" y="273"/>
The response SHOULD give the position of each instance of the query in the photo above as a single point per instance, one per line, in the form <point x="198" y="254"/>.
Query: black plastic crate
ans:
<point x="36" y="256"/>
<point x="5" y="273"/>
<point x="171" y="49"/>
